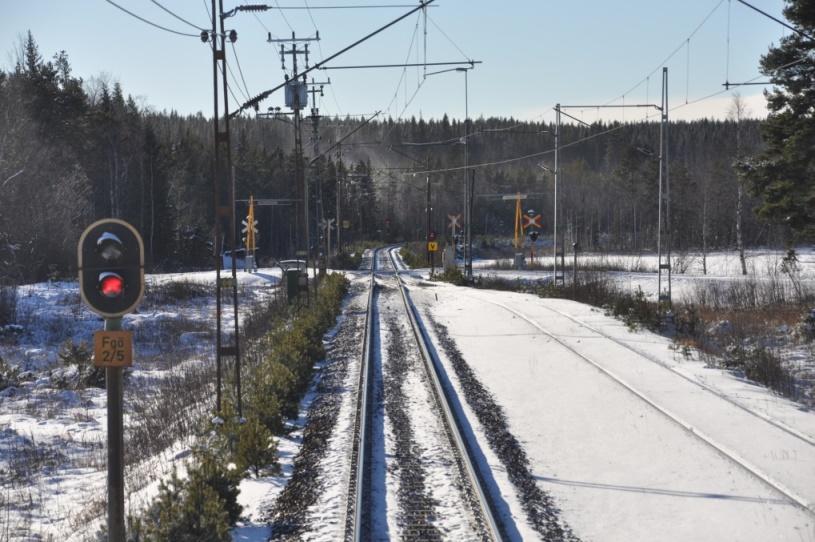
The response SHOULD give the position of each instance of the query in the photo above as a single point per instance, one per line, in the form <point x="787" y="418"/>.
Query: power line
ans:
<point x="372" y="6"/>
<point x="266" y="28"/>
<point x="183" y="20"/>
<point x="322" y="55"/>
<point x="151" y="23"/>
<point x="276" y="3"/>
<point x="472" y="63"/>
<point x="671" y="55"/>
<point x="240" y="71"/>
<point x="263" y="95"/>
<point x="235" y="80"/>
<point x="465" y="55"/>
<point x="591" y="136"/>
<point x="526" y="156"/>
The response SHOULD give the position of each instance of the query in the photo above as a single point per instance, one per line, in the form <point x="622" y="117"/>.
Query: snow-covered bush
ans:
<point x="172" y="292"/>
<point x="79" y="355"/>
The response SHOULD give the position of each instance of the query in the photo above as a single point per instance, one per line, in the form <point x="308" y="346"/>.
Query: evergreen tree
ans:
<point x="256" y="450"/>
<point x="783" y="175"/>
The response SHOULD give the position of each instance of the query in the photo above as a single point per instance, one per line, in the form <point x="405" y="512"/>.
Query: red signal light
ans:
<point x="111" y="284"/>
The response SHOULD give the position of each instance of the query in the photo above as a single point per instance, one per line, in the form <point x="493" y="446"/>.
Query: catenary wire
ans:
<point x="443" y="33"/>
<point x="593" y="136"/>
<point x="671" y="55"/>
<point x="404" y="71"/>
<point x="151" y="23"/>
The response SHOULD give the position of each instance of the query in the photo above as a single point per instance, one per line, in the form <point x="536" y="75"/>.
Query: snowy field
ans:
<point x="633" y="441"/>
<point x="639" y="271"/>
<point x="53" y="426"/>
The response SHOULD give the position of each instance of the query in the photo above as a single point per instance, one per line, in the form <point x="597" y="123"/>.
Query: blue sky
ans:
<point x="535" y="53"/>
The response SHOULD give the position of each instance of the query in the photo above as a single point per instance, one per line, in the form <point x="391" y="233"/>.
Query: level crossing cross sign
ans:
<point x="532" y="222"/>
<point x="454" y="221"/>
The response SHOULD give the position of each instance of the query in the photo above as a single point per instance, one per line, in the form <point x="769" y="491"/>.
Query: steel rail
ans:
<point x="355" y="528"/>
<point x="653" y="359"/>
<point x="442" y="399"/>
<point x="724" y="451"/>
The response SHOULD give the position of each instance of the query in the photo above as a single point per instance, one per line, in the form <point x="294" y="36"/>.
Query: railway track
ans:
<point x="809" y="439"/>
<point x="731" y="455"/>
<point x="381" y="394"/>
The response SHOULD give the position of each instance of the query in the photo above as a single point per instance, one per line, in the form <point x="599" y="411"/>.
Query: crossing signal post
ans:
<point x="111" y="283"/>
<point x="250" y="234"/>
<point x="533" y="237"/>
<point x="531" y="222"/>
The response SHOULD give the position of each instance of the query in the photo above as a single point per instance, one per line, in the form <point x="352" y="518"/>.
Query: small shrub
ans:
<point x="79" y="355"/>
<point x="789" y="263"/>
<point x="345" y="260"/>
<point x="8" y="305"/>
<point x="270" y="395"/>
<point x="688" y="321"/>
<point x="256" y="450"/>
<point x="453" y="275"/>
<point x="807" y="325"/>
<point x="636" y="310"/>
<point x="412" y="256"/>
<point x="501" y="284"/>
<point x="9" y="376"/>
<point x="765" y="367"/>
<point x="209" y="471"/>
<point x="175" y="291"/>
<point x="185" y="511"/>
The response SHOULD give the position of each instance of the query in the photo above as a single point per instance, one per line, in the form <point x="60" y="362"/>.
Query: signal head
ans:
<point x="111" y="285"/>
<point x="111" y="267"/>
<point x="109" y="247"/>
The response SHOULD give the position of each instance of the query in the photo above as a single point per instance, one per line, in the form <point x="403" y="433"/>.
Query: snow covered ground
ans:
<point x="632" y="441"/>
<point x="639" y="271"/>
<point x="53" y="431"/>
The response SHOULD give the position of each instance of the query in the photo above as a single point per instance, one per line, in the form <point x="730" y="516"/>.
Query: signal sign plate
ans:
<point x="113" y="349"/>
<point x="433" y="246"/>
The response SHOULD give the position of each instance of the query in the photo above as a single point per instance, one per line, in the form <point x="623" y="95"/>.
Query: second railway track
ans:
<point x="407" y="435"/>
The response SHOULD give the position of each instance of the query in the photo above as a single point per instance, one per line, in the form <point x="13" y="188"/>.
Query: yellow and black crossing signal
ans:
<point x="111" y="267"/>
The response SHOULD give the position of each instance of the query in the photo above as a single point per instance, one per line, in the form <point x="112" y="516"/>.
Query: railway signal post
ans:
<point x="432" y="248"/>
<point x="111" y="283"/>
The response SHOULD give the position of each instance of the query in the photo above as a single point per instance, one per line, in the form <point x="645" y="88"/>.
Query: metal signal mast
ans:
<point x="224" y="198"/>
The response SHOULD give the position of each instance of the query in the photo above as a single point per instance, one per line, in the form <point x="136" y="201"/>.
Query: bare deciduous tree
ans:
<point x="738" y="111"/>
